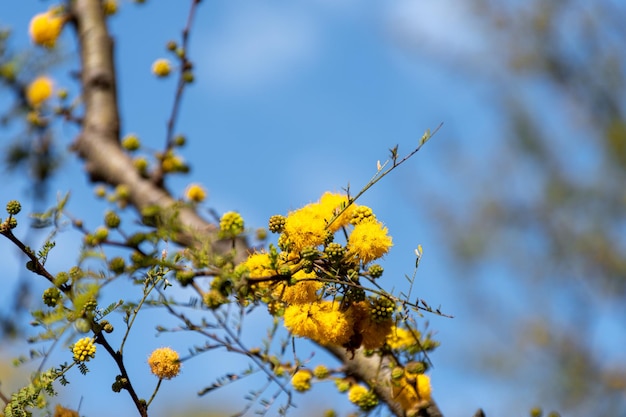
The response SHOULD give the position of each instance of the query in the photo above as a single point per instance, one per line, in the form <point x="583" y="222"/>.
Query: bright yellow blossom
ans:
<point x="161" y="67"/>
<point x="363" y="397"/>
<point x="195" y="193"/>
<point x="301" y="380"/>
<point x="320" y="321"/>
<point x="368" y="241"/>
<point x="258" y="265"/>
<point x="45" y="28"/>
<point x="39" y="91"/>
<point x="304" y="291"/>
<point x="84" y="349"/>
<point x="165" y="363"/>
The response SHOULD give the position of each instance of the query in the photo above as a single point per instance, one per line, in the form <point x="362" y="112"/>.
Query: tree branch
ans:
<point x="98" y="144"/>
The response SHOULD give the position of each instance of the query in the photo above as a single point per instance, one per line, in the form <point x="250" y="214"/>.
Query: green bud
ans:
<point x="13" y="207"/>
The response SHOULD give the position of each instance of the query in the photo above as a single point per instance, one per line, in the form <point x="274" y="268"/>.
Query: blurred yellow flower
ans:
<point x="161" y="67"/>
<point x="165" y="363"/>
<point x="39" y="91"/>
<point x="301" y="381"/>
<point x="45" y="28"/>
<point x="195" y="193"/>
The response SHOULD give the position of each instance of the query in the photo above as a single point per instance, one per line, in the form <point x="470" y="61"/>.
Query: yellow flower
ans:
<point x="373" y="333"/>
<point x="195" y="193"/>
<point x="302" y="292"/>
<point x="320" y="321"/>
<point x="410" y="392"/>
<point x="45" y="28"/>
<point x="165" y="363"/>
<point x="309" y="225"/>
<point x="84" y="349"/>
<point x="258" y="265"/>
<point x="39" y="91"/>
<point x="60" y="411"/>
<point x="424" y="388"/>
<point x="161" y="67"/>
<point x="301" y="381"/>
<point x="368" y="241"/>
<point x="109" y="7"/>
<point x="400" y="338"/>
<point x="231" y="225"/>
<point x="363" y="397"/>
<point x="321" y="372"/>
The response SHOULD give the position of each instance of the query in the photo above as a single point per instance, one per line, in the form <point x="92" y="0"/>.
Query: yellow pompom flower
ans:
<point x="259" y="265"/>
<point x="39" y="91"/>
<point x="195" y="193"/>
<point x="161" y="67"/>
<point x="363" y="397"/>
<point x="164" y="363"/>
<point x="320" y="321"/>
<point x="368" y="241"/>
<point x="45" y="28"/>
<point x="301" y="380"/>
<point x="84" y="349"/>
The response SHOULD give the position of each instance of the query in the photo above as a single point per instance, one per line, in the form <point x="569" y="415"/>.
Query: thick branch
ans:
<point x="98" y="143"/>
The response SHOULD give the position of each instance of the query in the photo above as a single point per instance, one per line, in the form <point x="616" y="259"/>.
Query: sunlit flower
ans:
<point x="161" y="67"/>
<point x="320" y="321"/>
<point x="301" y="380"/>
<point x="45" y="28"/>
<point x="38" y="91"/>
<point x="368" y="241"/>
<point x="195" y="193"/>
<point x="400" y="338"/>
<point x="362" y="396"/>
<point x="165" y="363"/>
<point x="84" y="349"/>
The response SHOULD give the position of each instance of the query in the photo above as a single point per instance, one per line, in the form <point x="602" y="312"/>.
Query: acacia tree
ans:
<point x="319" y="280"/>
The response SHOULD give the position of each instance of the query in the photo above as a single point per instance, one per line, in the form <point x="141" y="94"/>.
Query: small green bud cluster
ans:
<point x="119" y="384"/>
<point x="375" y="271"/>
<point x="117" y="265"/>
<point x="381" y="309"/>
<point x="185" y="277"/>
<point x="51" y="296"/>
<point x="112" y="220"/>
<point x="13" y="207"/>
<point x="354" y="294"/>
<point x="335" y="251"/>
<point x="277" y="223"/>
<point x="131" y="142"/>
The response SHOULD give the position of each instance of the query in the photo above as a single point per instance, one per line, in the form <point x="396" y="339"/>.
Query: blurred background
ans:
<point x="518" y="201"/>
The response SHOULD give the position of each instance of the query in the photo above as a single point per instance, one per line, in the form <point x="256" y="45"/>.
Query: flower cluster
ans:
<point x="84" y="349"/>
<point x="164" y="363"/>
<point x="316" y="280"/>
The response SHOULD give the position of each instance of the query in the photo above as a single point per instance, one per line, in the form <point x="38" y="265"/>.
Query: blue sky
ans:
<point x="291" y="101"/>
